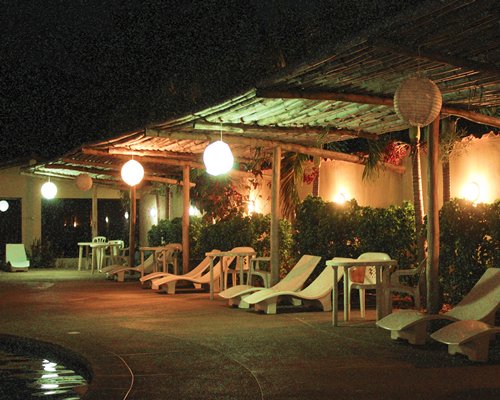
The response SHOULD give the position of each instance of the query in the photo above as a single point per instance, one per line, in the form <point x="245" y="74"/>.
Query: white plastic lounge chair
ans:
<point x="471" y="338"/>
<point x="480" y="304"/>
<point x="293" y="281"/>
<point x="319" y="290"/>
<point x="170" y="281"/>
<point x="120" y="270"/>
<point x="146" y="280"/>
<point x="369" y="278"/>
<point x="414" y="291"/>
<point x="15" y="256"/>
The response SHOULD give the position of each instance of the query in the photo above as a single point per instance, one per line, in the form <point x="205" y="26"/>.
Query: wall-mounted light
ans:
<point x="126" y="215"/>
<point x="49" y="190"/>
<point x="194" y="212"/>
<point x="132" y="172"/>
<point x="106" y="219"/>
<point x="4" y="205"/>
<point x="340" y="198"/>
<point x="472" y="192"/>
<point x="153" y="213"/>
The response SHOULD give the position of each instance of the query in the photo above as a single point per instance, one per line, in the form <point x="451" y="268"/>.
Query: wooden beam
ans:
<point x="185" y="220"/>
<point x="429" y="55"/>
<point x="297" y="148"/>
<point x="153" y="160"/>
<point x="275" y="216"/>
<point x="432" y="277"/>
<point x="258" y="130"/>
<point x="375" y="100"/>
<point x="123" y="150"/>
<point x="117" y="175"/>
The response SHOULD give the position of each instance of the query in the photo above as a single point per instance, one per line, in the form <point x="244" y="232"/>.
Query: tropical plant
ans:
<point x="292" y="173"/>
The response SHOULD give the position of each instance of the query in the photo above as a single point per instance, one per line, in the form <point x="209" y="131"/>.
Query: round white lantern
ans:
<point x="218" y="158"/>
<point x="417" y="101"/>
<point x="49" y="190"/>
<point x="4" y="205"/>
<point x="132" y="172"/>
<point x="83" y="182"/>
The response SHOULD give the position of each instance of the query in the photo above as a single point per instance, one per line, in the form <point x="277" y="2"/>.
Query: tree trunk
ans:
<point x="418" y="197"/>
<point x="446" y="181"/>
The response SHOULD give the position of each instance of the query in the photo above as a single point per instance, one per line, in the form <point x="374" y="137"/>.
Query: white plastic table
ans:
<point x="381" y="281"/>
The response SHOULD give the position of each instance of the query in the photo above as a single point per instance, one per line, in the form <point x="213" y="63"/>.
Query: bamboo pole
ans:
<point x="375" y="100"/>
<point x="275" y="216"/>
<point x="94" y="212"/>
<point x="131" y="235"/>
<point x="433" y="304"/>
<point x="185" y="220"/>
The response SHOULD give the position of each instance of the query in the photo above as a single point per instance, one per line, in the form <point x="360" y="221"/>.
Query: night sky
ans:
<point x="83" y="70"/>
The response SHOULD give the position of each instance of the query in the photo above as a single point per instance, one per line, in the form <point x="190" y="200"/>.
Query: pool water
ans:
<point x="24" y="377"/>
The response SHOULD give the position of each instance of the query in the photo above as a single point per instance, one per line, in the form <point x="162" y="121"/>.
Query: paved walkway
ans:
<point x="185" y="346"/>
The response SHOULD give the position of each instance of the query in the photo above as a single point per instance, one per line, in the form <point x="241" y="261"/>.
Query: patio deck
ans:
<point x="185" y="346"/>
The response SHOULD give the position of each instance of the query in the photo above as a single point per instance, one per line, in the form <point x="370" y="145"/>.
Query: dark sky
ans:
<point x="81" y="70"/>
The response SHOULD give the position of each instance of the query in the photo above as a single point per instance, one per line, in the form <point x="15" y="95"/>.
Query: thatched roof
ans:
<point x="346" y="93"/>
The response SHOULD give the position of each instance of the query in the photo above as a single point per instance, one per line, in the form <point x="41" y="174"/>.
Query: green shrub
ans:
<point x="469" y="243"/>
<point x="332" y="230"/>
<point x="41" y="254"/>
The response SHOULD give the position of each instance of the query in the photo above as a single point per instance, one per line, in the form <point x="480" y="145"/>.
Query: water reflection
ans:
<point x="23" y="377"/>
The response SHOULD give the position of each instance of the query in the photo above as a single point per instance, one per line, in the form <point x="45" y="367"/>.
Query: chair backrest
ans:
<point x="115" y="247"/>
<point x="295" y="279"/>
<point x="324" y="282"/>
<point x="99" y="239"/>
<point x="369" y="277"/>
<point x="246" y="261"/>
<point x="202" y="266"/>
<point x="483" y="300"/>
<point x="172" y="249"/>
<point x="15" y="254"/>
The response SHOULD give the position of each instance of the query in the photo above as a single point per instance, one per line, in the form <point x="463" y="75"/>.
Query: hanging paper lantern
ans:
<point x="49" y="190"/>
<point x="417" y="101"/>
<point x="132" y="172"/>
<point x="83" y="182"/>
<point x="218" y="158"/>
<point x="4" y="205"/>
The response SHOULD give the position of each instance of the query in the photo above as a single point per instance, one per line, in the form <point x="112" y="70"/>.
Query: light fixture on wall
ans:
<point x="49" y="190"/>
<point x="153" y="213"/>
<point x="126" y="215"/>
<point x="340" y="198"/>
<point x="472" y="192"/>
<point x="83" y="182"/>
<point x="4" y="205"/>
<point x="218" y="157"/>
<point x="132" y="172"/>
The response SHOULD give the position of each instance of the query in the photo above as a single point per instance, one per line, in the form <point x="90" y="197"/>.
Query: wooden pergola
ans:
<point x="343" y="94"/>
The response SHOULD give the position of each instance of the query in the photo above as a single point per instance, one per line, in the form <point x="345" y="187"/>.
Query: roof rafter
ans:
<point x="375" y="100"/>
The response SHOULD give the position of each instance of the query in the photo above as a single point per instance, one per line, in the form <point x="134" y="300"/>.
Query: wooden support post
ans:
<point x="433" y="304"/>
<point x="131" y="235"/>
<point x="185" y="219"/>
<point x="275" y="216"/>
<point x="95" y="230"/>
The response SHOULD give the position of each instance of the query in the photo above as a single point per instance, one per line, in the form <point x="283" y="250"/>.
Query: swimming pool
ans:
<point x="23" y="377"/>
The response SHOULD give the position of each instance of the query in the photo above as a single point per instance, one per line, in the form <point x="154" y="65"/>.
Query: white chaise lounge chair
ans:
<point x="480" y="304"/>
<point x="319" y="290"/>
<point x="15" y="257"/>
<point x="199" y="270"/>
<point x="170" y="281"/>
<point x="293" y="281"/>
<point x="471" y="338"/>
<point x="120" y="270"/>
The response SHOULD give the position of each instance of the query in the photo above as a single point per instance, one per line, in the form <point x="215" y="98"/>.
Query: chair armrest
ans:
<point x="403" y="272"/>
<point x="254" y="262"/>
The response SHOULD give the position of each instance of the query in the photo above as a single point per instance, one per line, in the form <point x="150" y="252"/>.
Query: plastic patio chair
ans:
<point x="364" y="278"/>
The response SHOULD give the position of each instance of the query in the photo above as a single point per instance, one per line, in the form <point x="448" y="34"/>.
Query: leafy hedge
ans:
<point x="469" y="243"/>
<point x="332" y="230"/>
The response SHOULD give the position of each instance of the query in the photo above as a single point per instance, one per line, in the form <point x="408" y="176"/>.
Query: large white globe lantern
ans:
<point x="218" y="158"/>
<point x="49" y="190"/>
<point x="83" y="182"/>
<point x="132" y="172"/>
<point x="4" y="205"/>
